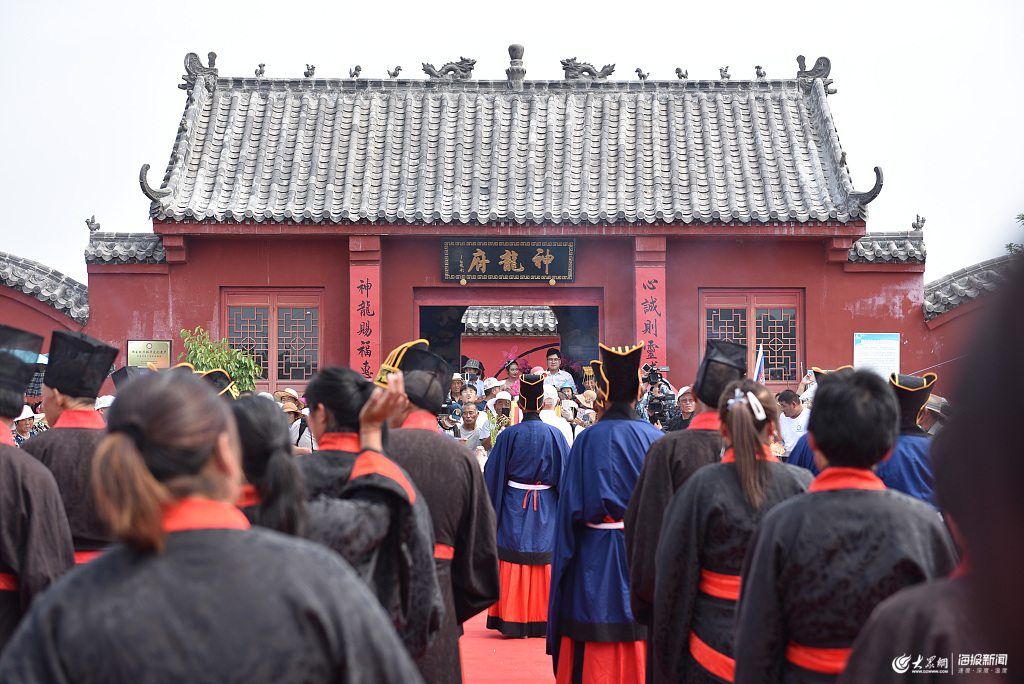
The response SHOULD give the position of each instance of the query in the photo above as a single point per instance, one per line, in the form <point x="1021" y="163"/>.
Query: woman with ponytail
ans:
<point x="704" y="538"/>
<point x="192" y="593"/>
<point x="273" y="496"/>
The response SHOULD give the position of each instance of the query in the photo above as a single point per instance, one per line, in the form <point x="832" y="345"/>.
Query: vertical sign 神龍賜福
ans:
<point x="364" y="319"/>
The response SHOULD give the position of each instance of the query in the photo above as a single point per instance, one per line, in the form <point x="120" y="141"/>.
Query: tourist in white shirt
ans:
<point x="793" y="421"/>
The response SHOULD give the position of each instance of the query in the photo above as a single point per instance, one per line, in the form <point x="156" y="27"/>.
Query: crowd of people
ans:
<point x="715" y="532"/>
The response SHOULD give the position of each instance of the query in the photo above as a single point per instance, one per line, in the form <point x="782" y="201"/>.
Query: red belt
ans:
<point x="8" y="581"/>
<point x="713" y="661"/>
<point x="83" y="557"/>
<point x="825" y="660"/>
<point x="444" y="552"/>
<point x="720" y="586"/>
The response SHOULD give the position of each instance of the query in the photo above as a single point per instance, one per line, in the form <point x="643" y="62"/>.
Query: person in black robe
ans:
<point x="669" y="463"/>
<point x="447" y="474"/>
<point x="818" y="564"/>
<point x="382" y="525"/>
<point x="704" y="539"/>
<point x="78" y="365"/>
<point x="193" y="594"/>
<point x="35" y="539"/>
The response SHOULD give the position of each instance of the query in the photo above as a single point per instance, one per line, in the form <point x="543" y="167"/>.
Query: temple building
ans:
<point x="323" y="221"/>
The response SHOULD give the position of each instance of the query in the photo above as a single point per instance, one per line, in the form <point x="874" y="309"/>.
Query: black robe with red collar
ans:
<point x="365" y="507"/>
<point x="35" y="540"/>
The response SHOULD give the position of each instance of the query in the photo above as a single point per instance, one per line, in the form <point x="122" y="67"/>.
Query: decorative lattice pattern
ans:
<point x="726" y="324"/>
<point x="249" y="330"/>
<point x="777" y="331"/>
<point x="297" y="348"/>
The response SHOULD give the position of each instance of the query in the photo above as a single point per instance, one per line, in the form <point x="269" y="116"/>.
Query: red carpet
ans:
<point x="487" y="656"/>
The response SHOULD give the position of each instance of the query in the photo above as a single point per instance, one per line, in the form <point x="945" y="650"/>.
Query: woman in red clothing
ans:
<point x="704" y="538"/>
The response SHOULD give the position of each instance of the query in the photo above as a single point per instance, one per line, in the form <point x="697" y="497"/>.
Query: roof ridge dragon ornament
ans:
<point x="458" y="71"/>
<point x="583" y="71"/>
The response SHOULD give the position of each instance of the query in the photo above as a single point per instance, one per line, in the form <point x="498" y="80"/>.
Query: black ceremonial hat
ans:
<point x="620" y="373"/>
<point x="425" y="374"/>
<point x="19" y="351"/>
<point x="531" y="392"/>
<point x="723" y="363"/>
<point x="123" y="375"/>
<point x="78" y="364"/>
<point x="222" y="383"/>
<point x="912" y="392"/>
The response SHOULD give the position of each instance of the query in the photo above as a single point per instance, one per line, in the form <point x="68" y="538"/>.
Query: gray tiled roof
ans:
<point x="967" y="284"/>
<point x="45" y="284"/>
<point x="510" y="320"/>
<point x="125" y="248"/>
<point x="907" y="248"/>
<point x="465" y="151"/>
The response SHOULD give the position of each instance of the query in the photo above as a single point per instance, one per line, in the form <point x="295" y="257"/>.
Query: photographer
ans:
<point x="500" y="414"/>
<point x="658" y="403"/>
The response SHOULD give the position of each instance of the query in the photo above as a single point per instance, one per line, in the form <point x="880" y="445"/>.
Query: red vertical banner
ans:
<point x="364" y="319"/>
<point x="649" y="296"/>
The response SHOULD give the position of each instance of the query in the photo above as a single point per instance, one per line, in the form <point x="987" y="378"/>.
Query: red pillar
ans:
<point x="364" y="311"/>
<point x="649" y="297"/>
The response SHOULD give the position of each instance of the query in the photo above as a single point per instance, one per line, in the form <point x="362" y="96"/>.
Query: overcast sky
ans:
<point x="930" y="91"/>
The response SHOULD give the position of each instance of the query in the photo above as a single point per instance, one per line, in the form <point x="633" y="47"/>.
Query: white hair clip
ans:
<point x="750" y="400"/>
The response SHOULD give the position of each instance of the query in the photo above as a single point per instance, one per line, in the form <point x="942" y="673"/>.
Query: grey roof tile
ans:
<point x="965" y="285"/>
<point x="125" y="248"/>
<point x="477" y="151"/>
<point x="45" y="284"/>
<point x="510" y="320"/>
<point x="906" y="247"/>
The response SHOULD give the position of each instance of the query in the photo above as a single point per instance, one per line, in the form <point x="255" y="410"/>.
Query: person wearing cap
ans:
<point x="23" y="426"/>
<point x="591" y="629"/>
<point x="455" y="390"/>
<point x="524" y="478"/>
<point x="395" y="553"/>
<point x="502" y="412"/>
<point x="474" y="368"/>
<point x="553" y="374"/>
<point x="818" y="564"/>
<point x="687" y="408"/>
<point x="35" y="538"/>
<point x="553" y="417"/>
<point x="909" y="467"/>
<point x="670" y="462"/>
<point x="193" y="593"/>
<point x="103" y="404"/>
<point x="299" y="434"/>
<point x="77" y="367"/>
<point x="448" y="477"/>
<point x="491" y="388"/>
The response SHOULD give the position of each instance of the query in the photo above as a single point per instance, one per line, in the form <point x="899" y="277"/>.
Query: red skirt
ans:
<point x="522" y="610"/>
<point x="620" y="662"/>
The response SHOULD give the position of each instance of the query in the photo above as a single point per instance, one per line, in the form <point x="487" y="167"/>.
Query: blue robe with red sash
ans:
<point x="530" y="453"/>
<point x="589" y="573"/>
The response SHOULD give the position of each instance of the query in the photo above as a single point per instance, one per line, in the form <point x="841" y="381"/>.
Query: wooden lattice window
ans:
<point x="772" y="318"/>
<point x="281" y="329"/>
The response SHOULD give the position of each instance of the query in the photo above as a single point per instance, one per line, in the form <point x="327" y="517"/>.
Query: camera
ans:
<point x="653" y="374"/>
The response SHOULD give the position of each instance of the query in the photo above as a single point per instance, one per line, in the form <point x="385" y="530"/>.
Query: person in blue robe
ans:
<point x="591" y="634"/>
<point x="909" y="468"/>
<point x="523" y="474"/>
